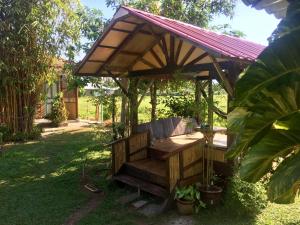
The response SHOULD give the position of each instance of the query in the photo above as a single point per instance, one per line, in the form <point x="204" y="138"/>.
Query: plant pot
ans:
<point x="211" y="195"/>
<point x="185" y="207"/>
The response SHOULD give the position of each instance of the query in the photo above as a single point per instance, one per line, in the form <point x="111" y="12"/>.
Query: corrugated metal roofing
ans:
<point x="224" y="45"/>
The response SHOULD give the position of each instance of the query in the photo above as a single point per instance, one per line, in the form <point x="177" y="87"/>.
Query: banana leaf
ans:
<point x="266" y="117"/>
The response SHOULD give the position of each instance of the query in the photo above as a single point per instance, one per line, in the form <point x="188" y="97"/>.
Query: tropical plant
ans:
<point x="33" y="34"/>
<point x="266" y="117"/>
<point x="190" y="193"/>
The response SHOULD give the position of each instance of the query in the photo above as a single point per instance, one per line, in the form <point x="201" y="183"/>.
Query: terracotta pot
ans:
<point x="185" y="207"/>
<point x="211" y="195"/>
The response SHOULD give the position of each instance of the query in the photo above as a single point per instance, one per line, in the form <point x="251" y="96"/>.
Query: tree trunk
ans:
<point x="124" y="106"/>
<point x="153" y="96"/>
<point x="133" y="103"/>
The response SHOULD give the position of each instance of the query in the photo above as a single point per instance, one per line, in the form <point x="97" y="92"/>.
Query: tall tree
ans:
<point x="33" y="34"/>
<point x="199" y="12"/>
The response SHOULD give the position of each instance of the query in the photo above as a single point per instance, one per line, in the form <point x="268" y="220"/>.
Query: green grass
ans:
<point x="40" y="185"/>
<point x="86" y="109"/>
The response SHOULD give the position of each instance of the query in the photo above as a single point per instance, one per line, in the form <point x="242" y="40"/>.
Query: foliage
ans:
<point x="190" y="193"/>
<point x="267" y="113"/>
<point x="33" y="34"/>
<point x="58" y="111"/>
<point x="227" y="29"/>
<point x="199" y="12"/>
<point x="248" y="198"/>
<point x="8" y="135"/>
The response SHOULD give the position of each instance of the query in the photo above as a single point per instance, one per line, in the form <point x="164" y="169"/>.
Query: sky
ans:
<point x="256" y="24"/>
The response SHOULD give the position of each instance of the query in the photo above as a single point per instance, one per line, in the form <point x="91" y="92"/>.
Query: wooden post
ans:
<point x="133" y="104"/>
<point x="124" y="105"/>
<point x="153" y="96"/>
<point x="210" y="119"/>
<point x="198" y="100"/>
<point x="113" y="112"/>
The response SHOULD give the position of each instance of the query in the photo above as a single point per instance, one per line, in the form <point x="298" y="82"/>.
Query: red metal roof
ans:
<point x="222" y="44"/>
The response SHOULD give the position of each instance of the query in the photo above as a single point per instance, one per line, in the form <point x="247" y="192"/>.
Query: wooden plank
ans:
<point x="172" y="49"/>
<point x="163" y="46"/>
<point x="118" y="156"/>
<point x="174" y="171"/>
<point x="148" y="63"/>
<point x="143" y="185"/>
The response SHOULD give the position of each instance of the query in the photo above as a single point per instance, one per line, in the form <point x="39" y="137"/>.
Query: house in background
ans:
<point x="51" y="91"/>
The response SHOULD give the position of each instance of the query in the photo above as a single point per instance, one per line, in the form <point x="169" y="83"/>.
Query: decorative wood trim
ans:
<point x="187" y="55"/>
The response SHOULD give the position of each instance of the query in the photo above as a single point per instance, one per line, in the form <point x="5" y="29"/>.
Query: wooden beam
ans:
<point x="157" y="58"/>
<point x="107" y="46"/>
<point x="120" y="47"/>
<point x="171" y="69"/>
<point x="187" y="55"/>
<point x="121" y="30"/>
<point x="148" y="63"/>
<point x="125" y="92"/>
<point x="130" y="53"/>
<point x="214" y="108"/>
<point x="164" y="49"/>
<point x="172" y="49"/>
<point x="178" y="51"/>
<point x="97" y="61"/>
<point x="224" y="81"/>
<point x="143" y="95"/>
<point x="200" y="57"/>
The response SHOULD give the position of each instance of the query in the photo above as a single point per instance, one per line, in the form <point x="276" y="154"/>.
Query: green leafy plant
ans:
<point x="190" y="193"/>
<point x="58" y="112"/>
<point x="248" y="198"/>
<point x="266" y="117"/>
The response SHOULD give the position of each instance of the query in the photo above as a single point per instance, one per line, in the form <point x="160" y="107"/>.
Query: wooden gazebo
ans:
<point x="139" y="45"/>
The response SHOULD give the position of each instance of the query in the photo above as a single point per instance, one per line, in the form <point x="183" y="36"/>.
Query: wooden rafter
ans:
<point x="187" y="55"/>
<point x="148" y="63"/>
<point x="224" y="81"/>
<point x="94" y="60"/>
<point x="163" y="46"/>
<point x="172" y="49"/>
<point x="107" y="46"/>
<point x="178" y="51"/>
<point x="153" y="43"/>
<point x="156" y="57"/>
<point x="120" y="47"/>
<point x="199" y="58"/>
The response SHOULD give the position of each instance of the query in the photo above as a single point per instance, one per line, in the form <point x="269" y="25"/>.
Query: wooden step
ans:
<point x="143" y="185"/>
<point x="153" y="171"/>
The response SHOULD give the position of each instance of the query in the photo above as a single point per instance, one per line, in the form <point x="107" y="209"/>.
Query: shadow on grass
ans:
<point x="40" y="181"/>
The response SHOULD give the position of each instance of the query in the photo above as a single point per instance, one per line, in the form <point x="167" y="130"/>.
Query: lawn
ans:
<point x="40" y="184"/>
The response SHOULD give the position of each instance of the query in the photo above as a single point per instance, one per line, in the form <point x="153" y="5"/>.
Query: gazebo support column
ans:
<point x="198" y="100"/>
<point x="153" y="101"/>
<point x="210" y="104"/>
<point x="133" y="104"/>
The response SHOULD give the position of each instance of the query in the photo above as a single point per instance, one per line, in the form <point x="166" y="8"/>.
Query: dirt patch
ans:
<point x="92" y="204"/>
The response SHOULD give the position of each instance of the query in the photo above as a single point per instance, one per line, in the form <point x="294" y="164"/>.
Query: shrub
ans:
<point x="6" y="135"/>
<point x="58" y="111"/>
<point x="245" y="198"/>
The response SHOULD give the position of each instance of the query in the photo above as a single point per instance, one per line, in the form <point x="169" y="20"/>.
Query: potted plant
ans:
<point x="188" y="200"/>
